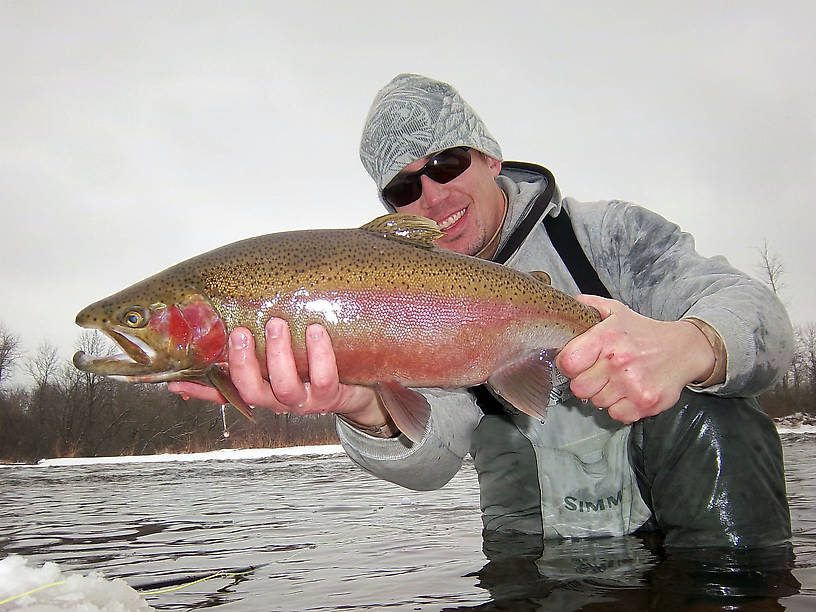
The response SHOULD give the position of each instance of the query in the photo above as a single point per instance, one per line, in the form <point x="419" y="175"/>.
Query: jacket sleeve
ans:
<point x="429" y="463"/>
<point x="652" y="266"/>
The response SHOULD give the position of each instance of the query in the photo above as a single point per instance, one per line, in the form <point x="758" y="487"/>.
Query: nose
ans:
<point x="433" y="193"/>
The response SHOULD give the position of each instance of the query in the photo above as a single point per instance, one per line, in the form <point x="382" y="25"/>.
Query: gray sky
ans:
<point x="136" y="134"/>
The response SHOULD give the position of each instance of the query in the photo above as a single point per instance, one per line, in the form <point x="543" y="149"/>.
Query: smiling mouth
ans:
<point x="451" y="220"/>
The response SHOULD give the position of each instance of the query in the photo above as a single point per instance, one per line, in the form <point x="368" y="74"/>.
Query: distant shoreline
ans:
<point x="782" y="426"/>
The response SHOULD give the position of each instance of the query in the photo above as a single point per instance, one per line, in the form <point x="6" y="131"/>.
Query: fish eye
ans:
<point x="134" y="318"/>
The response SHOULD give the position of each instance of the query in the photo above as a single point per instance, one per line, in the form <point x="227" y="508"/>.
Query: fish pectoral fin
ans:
<point x="219" y="379"/>
<point x="527" y="384"/>
<point x="409" y="409"/>
<point x="412" y="229"/>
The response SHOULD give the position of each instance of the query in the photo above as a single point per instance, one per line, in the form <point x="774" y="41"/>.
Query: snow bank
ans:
<point x="798" y="423"/>
<point x="219" y="455"/>
<point x="49" y="590"/>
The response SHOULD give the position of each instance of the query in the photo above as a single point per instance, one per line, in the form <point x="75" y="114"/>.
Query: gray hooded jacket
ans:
<point x="586" y="484"/>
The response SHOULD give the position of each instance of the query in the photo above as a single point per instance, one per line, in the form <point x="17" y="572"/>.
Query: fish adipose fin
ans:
<point x="221" y="381"/>
<point x="412" y="229"/>
<point x="527" y="384"/>
<point x="409" y="409"/>
<point x="542" y="276"/>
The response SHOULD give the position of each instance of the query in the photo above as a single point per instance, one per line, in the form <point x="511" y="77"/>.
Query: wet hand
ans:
<point x="633" y="365"/>
<point x="284" y="391"/>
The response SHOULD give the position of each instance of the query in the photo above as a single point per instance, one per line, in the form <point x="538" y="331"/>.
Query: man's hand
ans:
<point x="285" y="392"/>
<point x="633" y="365"/>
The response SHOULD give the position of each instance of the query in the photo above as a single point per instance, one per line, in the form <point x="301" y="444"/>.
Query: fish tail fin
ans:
<point x="527" y="384"/>
<point x="219" y="379"/>
<point x="409" y="409"/>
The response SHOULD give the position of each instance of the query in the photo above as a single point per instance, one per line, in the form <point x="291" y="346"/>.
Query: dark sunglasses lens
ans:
<point x="447" y="165"/>
<point x="403" y="190"/>
<point x="441" y="168"/>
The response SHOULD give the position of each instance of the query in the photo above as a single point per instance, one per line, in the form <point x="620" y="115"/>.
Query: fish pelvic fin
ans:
<point x="411" y="229"/>
<point x="527" y="383"/>
<point x="409" y="409"/>
<point x="219" y="379"/>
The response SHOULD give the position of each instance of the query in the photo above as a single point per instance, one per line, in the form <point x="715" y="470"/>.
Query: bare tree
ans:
<point x="806" y="350"/>
<point x="44" y="364"/>
<point x="771" y="267"/>
<point x="10" y="352"/>
<point x="772" y="270"/>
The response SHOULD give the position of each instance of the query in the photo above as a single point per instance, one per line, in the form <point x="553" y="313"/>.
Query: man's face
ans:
<point x="468" y="209"/>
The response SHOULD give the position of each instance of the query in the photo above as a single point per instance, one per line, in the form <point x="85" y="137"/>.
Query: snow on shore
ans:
<point x="223" y="454"/>
<point x="798" y="423"/>
<point x="219" y="455"/>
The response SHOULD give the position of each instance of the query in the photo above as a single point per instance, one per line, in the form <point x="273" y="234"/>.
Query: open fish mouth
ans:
<point x="138" y="359"/>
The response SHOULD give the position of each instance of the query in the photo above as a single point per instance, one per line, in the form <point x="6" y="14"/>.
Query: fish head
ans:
<point x="175" y="338"/>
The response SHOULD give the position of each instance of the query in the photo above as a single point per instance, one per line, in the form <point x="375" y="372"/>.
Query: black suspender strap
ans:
<point x="563" y="238"/>
<point x="559" y="230"/>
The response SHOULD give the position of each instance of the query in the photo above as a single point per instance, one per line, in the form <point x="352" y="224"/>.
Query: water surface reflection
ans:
<point x="323" y="535"/>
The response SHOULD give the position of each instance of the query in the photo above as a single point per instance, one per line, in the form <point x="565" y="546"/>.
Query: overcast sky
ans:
<point x="136" y="134"/>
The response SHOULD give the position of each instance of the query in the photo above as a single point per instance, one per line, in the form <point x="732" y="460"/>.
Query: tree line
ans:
<point x="796" y="392"/>
<point x="67" y="413"/>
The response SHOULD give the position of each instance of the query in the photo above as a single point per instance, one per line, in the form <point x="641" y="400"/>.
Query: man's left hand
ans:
<point x="633" y="365"/>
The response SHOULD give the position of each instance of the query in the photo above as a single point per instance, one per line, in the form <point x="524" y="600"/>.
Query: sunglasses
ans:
<point x="442" y="167"/>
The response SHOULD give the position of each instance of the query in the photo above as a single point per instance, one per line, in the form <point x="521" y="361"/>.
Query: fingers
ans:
<point x="624" y="411"/>
<point x="189" y="390"/>
<point x="322" y="393"/>
<point x="284" y="390"/>
<point x="580" y="353"/>
<point x="245" y="371"/>
<point x="324" y="382"/>
<point x="636" y="407"/>
<point x="626" y="396"/>
<point x="286" y="386"/>
<point x="586" y="349"/>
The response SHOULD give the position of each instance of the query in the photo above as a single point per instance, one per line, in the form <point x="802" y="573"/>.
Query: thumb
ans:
<point x="604" y="306"/>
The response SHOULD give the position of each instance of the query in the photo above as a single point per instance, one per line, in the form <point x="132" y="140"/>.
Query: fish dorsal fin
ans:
<point x="542" y="276"/>
<point x="413" y="229"/>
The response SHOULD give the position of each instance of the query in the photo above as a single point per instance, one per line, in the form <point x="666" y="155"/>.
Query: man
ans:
<point x="651" y="431"/>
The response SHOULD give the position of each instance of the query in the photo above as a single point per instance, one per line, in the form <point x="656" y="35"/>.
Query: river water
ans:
<point x="323" y="535"/>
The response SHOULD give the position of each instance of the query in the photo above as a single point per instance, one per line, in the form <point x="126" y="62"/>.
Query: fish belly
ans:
<point x="422" y="340"/>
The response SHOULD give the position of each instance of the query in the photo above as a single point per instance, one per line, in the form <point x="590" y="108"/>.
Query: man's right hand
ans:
<point x="284" y="391"/>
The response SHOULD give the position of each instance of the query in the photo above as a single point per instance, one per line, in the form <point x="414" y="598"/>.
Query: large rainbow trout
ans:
<point x="400" y="313"/>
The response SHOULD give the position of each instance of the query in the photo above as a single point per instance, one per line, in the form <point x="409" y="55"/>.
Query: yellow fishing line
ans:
<point x="191" y="583"/>
<point x="143" y="594"/>
<point x="39" y="588"/>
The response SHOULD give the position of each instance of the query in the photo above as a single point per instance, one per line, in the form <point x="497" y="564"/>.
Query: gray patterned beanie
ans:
<point x="414" y="116"/>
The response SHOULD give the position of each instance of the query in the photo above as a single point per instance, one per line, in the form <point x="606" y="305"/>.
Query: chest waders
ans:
<point x="710" y="469"/>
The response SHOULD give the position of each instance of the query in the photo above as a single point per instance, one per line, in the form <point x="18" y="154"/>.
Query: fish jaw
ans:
<point x="160" y="342"/>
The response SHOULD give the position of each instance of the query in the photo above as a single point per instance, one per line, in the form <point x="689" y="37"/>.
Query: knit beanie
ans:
<point x="414" y="116"/>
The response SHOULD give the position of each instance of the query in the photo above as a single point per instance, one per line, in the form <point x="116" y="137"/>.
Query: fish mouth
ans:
<point x="138" y="359"/>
